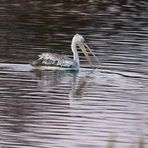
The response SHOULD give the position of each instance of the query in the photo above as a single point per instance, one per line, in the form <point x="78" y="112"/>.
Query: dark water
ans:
<point x="106" y="107"/>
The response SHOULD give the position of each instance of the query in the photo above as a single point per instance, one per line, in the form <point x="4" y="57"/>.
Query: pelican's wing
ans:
<point x="48" y="59"/>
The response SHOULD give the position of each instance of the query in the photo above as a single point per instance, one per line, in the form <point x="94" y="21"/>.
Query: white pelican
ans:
<point x="55" y="61"/>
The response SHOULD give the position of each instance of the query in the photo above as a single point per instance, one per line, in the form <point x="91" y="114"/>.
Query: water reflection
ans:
<point x="78" y="87"/>
<point x="52" y="79"/>
<point x="84" y="109"/>
<point x="107" y="107"/>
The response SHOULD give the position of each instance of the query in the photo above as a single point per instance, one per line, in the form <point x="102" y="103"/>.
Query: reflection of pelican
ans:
<point x="55" y="61"/>
<point x="56" y="81"/>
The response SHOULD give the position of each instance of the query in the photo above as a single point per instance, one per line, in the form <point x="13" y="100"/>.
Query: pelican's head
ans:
<point x="79" y="41"/>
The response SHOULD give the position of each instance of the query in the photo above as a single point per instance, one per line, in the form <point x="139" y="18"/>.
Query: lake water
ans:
<point x="103" y="107"/>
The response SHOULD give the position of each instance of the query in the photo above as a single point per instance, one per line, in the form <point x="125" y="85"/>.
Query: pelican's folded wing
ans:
<point x="48" y="59"/>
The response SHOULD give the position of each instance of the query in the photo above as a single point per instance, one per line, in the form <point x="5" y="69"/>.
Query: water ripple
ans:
<point x="102" y="107"/>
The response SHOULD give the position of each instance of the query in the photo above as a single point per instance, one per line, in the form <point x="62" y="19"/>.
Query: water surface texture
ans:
<point x="104" y="107"/>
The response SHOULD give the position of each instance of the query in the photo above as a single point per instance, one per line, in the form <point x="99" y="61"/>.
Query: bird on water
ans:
<point x="58" y="61"/>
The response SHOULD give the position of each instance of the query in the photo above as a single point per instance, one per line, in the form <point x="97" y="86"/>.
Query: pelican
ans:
<point x="55" y="61"/>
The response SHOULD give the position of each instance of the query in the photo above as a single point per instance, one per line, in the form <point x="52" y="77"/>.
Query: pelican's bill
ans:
<point x="84" y="47"/>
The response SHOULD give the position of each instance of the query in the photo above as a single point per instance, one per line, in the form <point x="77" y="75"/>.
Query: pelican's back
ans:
<point x="48" y="59"/>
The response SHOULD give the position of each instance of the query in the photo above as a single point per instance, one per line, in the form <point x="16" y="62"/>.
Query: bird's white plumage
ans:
<point x="49" y="59"/>
<point x="62" y="61"/>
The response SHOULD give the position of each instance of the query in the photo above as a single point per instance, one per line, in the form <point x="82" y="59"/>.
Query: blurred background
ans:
<point x="28" y="28"/>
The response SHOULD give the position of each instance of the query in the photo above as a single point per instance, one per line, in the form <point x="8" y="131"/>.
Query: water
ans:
<point x="105" y="107"/>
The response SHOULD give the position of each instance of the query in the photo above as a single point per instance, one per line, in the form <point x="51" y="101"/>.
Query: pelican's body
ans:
<point x="56" y="61"/>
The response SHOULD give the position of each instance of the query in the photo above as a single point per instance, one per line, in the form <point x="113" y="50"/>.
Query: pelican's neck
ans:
<point x="75" y="52"/>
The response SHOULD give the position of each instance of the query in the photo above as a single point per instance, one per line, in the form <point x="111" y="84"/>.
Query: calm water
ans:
<point x="92" y="108"/>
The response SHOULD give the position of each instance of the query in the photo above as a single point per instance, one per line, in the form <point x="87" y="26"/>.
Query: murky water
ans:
<point x="105" y="107"/>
